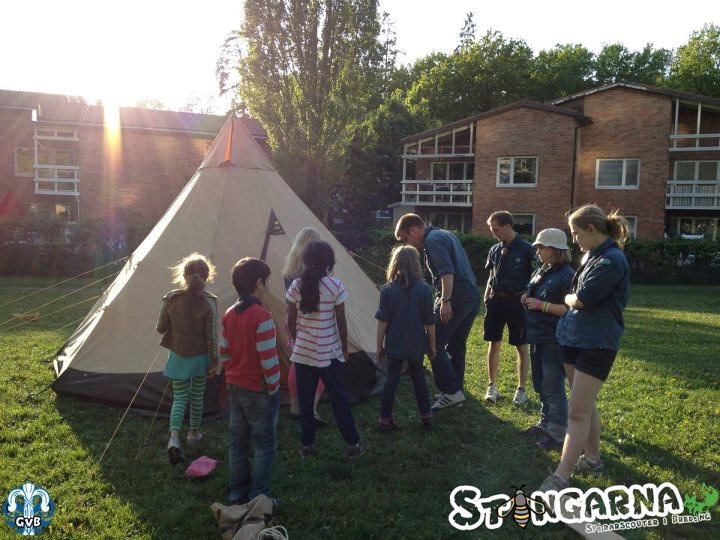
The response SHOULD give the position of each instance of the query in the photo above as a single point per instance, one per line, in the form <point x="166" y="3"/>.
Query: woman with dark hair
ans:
<point x="317" y="325"/>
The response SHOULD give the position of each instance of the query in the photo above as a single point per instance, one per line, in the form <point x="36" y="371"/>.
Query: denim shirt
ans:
<point x="549" y="285"/>
<point x="602" y="285"/>
<point x="511" y="271"/>
<point x="407" y="312"/>
<point x="444" y="255"/>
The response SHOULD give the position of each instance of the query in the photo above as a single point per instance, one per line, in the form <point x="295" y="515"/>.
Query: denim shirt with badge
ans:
<point x="602" y="284"/>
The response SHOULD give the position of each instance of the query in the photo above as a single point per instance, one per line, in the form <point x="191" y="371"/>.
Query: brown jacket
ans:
<point x="189" y="327"/>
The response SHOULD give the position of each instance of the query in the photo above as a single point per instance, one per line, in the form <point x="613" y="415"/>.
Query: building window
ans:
<point x="524" y="224"/>
<point x="453" y="171"/>
<point x="617" y="173"/>
<point x="693" y="171"/>
<point x="517" y="171"/>
<point x="24" y="162"/>
<point x="452" y="221"/>
<point x="632" y="226"/>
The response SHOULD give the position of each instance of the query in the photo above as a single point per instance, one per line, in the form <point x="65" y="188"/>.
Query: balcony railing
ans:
<point x="437" y="193"/>
<point x="703" y="142"/>
<point x="57" y="180"/>
<point x="693" y="195"/>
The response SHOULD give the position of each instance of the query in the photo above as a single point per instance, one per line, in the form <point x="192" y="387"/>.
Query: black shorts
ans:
<point x="502" y="311"/>
<point x="593" y="362"/>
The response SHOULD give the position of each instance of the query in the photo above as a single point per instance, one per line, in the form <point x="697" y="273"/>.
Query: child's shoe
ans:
<point x="194" y="436"/>
<point x="354" y="451"/>
<point x="386" y="426"/>
<point x="175" y="453"/>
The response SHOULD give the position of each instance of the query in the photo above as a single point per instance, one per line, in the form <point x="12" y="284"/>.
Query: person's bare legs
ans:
<point x="583" y="423"/>
<point x="493" y="361"/>
<point x="523" y="363"/>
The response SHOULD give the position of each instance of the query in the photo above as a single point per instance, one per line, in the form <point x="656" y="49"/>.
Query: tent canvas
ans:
<point x="236" y="205"/>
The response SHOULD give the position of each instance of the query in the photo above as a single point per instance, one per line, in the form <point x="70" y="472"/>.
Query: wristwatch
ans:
<point x="444" y="299"/>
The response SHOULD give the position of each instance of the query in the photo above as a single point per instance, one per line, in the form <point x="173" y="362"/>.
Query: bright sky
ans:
<point x="166" y="49"/>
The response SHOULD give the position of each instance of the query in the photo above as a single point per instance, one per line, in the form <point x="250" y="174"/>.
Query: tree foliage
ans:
<point x="306" y="69"/>
<point x="696" y="67"/>
<point x="484" y="74"/>
<point x="561" y="71"/>
<point x="616" y="63"/>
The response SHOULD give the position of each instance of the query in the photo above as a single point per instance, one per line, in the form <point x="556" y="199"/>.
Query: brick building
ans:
<point x="651" y="152"/>
<point x="60" y="155"/>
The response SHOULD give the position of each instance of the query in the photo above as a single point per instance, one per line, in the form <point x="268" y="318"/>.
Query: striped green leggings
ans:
<point x="184" y="389"/>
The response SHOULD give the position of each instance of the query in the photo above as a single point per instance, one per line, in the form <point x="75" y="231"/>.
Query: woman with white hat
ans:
<point x="545" y="305"/>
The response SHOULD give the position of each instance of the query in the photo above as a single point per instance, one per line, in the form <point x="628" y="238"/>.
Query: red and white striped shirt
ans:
<point x="317" y="340"/>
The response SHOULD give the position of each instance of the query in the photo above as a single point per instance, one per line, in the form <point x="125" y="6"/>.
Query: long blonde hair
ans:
<point x="192" y="272"/>
<point x="293" y="266"/>
<point x="404" y="266"/>
<point x="612" y="224"/>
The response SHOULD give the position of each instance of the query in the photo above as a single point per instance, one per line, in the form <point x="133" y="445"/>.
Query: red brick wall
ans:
<point x="140" y="175"/>
<point x="524" y="132"/>
<point x="628" y="124"/>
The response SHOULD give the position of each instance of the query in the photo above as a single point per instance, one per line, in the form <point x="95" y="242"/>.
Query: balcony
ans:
<point x="703" y="142"/>
<point x="692" y="195"/>
<point x="57" y="180"/>
<point x="437" y="193"/>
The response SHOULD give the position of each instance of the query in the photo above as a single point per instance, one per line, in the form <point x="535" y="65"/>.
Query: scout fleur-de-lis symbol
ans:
<point x="29" y="492"/>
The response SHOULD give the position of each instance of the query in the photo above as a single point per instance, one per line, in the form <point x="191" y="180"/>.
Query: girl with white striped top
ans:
<point x="316" y="321"/>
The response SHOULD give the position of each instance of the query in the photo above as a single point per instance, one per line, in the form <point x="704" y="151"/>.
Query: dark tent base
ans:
<point x="117" y="390"/>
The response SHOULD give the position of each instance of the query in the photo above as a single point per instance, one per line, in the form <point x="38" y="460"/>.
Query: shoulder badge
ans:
<point x="605" y="262"/>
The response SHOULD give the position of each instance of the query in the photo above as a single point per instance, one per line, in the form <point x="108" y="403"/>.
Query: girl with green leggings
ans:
<point x="188" y="321"/>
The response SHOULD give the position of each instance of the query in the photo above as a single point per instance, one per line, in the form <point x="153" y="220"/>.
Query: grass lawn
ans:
<point x="660" y="410"/>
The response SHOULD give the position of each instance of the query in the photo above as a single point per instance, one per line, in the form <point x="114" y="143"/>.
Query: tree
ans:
<point x="467" y="34"/>
<point x="562" y="71"/>
<point x="150" y="103"/>
<point x="616" y="63"/>
<point x="306" y="69"/>
<point x="489" y="73"/>
<point x="696" y="67"/>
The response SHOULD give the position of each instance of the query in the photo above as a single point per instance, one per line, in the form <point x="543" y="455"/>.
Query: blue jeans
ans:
<point x="253" y="422"/>
<point x="307" y="379"/>
<point x="449" y="364"/>
<point x="548" y="378"/>
<point x="415" y="369"/>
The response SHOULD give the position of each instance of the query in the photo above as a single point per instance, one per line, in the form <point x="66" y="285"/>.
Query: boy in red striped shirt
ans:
<point x="252" y="372"/>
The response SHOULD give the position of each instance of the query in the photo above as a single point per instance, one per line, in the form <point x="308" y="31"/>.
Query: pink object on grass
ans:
<point x="201" y="467"/>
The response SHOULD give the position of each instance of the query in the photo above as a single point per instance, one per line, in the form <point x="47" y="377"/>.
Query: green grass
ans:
<point x="660" y="410"/>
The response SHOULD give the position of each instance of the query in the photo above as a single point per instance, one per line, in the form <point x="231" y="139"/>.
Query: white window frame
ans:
<point x="632" y="229"/>
<point x="512" y="183"/>
<point x="534" y="219"/>
<point x="32" y="156"/>
<point x="624" y="173"/>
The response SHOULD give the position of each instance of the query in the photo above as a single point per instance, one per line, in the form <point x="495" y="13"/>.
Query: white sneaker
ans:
<point x="492" y="393"/>
<point x="520" y="396"/>
<point x="448" y="400"/>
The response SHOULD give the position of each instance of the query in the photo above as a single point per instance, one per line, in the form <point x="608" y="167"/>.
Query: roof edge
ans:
<point x="640" y="87"/>
<point x="493" y="112"/>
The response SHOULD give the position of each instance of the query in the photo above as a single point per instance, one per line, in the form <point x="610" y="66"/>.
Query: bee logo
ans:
<point x="522" y="506"/>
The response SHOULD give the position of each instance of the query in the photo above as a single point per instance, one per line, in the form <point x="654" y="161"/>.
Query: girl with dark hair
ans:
<point x="317" y="325"/>
<point x="189" y="321"/>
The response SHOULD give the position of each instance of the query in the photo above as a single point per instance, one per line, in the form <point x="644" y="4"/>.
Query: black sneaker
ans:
<point x="388" y="426"/>
<point x="354" y="451"/>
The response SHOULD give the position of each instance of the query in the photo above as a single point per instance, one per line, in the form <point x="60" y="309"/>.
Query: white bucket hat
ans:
<point x="551" y="238"/>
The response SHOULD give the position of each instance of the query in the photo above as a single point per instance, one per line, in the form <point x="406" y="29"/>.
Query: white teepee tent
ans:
<point x="236" y="205"/>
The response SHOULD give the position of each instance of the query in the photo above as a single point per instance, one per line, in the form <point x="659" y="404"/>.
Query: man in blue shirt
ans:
<point x="510" y="264"/>
<point x="456" y="306"/>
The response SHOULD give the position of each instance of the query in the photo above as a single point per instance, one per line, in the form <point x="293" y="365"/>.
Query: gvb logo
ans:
<point x="28" y="509"/>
